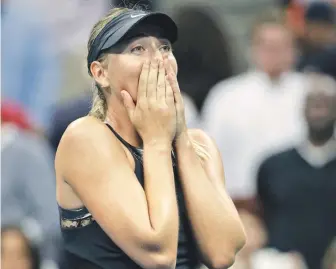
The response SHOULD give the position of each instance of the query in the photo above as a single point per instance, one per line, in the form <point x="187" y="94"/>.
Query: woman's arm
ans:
<point x="143" y="223"/>
<point x="215" y="221"/>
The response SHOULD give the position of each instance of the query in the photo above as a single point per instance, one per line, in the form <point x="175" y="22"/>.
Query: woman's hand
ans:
<point x="154" y="114"/>
<point x="181" y="126"/>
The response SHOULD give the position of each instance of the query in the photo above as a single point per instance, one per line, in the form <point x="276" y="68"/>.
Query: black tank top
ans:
<point x="87" y="246"/>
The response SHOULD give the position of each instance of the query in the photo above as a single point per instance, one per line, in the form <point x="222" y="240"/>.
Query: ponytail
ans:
<point x="99" y="104"/>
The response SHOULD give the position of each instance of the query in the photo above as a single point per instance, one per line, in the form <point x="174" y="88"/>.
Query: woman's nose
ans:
<point x="157" y="55"/>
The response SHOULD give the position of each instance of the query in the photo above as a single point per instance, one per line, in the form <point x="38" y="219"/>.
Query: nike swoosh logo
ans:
<point x="138" y="15"/>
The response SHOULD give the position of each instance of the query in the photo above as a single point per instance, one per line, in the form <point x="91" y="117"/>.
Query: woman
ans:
<point x="126" y="200"/>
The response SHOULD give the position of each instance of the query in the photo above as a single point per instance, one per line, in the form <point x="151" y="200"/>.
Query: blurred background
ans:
<point x="257" y="75"/>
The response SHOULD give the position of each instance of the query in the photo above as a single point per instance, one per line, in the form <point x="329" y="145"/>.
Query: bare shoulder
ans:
<point x="85" y="140"/>
<point x="82" y="129"/>
<point x="86" y="132"/>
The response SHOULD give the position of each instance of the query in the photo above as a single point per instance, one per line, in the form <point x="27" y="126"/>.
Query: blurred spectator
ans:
<point x="72" y="21"/>
<point x="17" y="251"/>
<point x="28" y="184"/>
<point x="270" y="259"/>
<point x="30" y="68"/>
<point x="13" y="113"/>
<point x="204" y="61"/>
<point x="65" y="114"/>
<point x="320" y="24"/>
<point x="330" y="257"/>
<point x="294" y="10"/>
<point x="297" y="187"/>
<point x="319" y="51"/>
<point x="80" y="107"/>
<point x="255" y="256"/>
<point x="257" y="112"/>
<point x="191" y="112"/>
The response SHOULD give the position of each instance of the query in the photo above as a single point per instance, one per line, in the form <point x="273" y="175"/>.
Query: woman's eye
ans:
<point x="165" y="48"/>
<point x="137" y="49"/>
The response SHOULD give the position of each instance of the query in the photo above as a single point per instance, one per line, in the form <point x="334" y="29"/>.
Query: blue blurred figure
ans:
<point x="319" y="52"/>
<point x="30" y="66"/>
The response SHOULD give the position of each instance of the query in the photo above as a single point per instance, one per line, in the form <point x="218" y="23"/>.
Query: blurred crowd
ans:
<point x="274" y="123"/>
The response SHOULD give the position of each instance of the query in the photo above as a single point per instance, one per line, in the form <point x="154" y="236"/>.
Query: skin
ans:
<point x="319" y="35"/>
<point x="145" y="107"/>
<point x="273" y="49"/>
<point x="14" y="251"/>
<point x="209" y="206"/>
<point x="320" y="109"/>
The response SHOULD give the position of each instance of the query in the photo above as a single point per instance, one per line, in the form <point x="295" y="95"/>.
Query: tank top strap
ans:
<point x="123" y="141"/>
<point x="136" y="153"/>
<point x="134" y="150"/>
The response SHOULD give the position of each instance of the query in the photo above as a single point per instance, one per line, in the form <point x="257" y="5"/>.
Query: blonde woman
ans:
<point x="136" y="189"/>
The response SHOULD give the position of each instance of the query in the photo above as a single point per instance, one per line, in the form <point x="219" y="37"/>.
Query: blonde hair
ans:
<point x="201" y="150"/>
<point x="99" y="104"/>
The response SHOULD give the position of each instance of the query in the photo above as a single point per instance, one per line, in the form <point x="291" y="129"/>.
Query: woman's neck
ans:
<point x="118" y="118"/>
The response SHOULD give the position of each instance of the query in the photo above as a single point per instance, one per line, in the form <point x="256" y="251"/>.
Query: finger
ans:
<point x="176" y="89"/>
<point x="161" y="84"/>
<point x="168" y="66"/>
<point x="152" y="80"/>
<point x="142" y="86"/>
<point x="128" y="103"/>
<point x="173" y="82"/>
<point x="172" y="76"/>
<point x="169" y="92"/>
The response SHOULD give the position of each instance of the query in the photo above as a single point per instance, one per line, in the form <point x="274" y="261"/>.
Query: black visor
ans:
<point x="120" y="26"/>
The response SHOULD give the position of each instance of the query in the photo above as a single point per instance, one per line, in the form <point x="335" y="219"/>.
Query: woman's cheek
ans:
<point x="131" y="74"/>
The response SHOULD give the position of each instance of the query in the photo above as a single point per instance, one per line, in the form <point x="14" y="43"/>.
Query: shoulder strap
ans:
<point x="123" y="141"/>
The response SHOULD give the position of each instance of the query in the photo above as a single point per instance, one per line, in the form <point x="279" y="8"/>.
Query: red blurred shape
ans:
<point x="15" y="114"/>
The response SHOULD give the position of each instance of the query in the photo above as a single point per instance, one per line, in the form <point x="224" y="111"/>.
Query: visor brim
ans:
<point x="161" y="20"/>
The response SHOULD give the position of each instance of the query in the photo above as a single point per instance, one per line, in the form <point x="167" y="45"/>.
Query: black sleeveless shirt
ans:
<point x="87" y="246"/>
